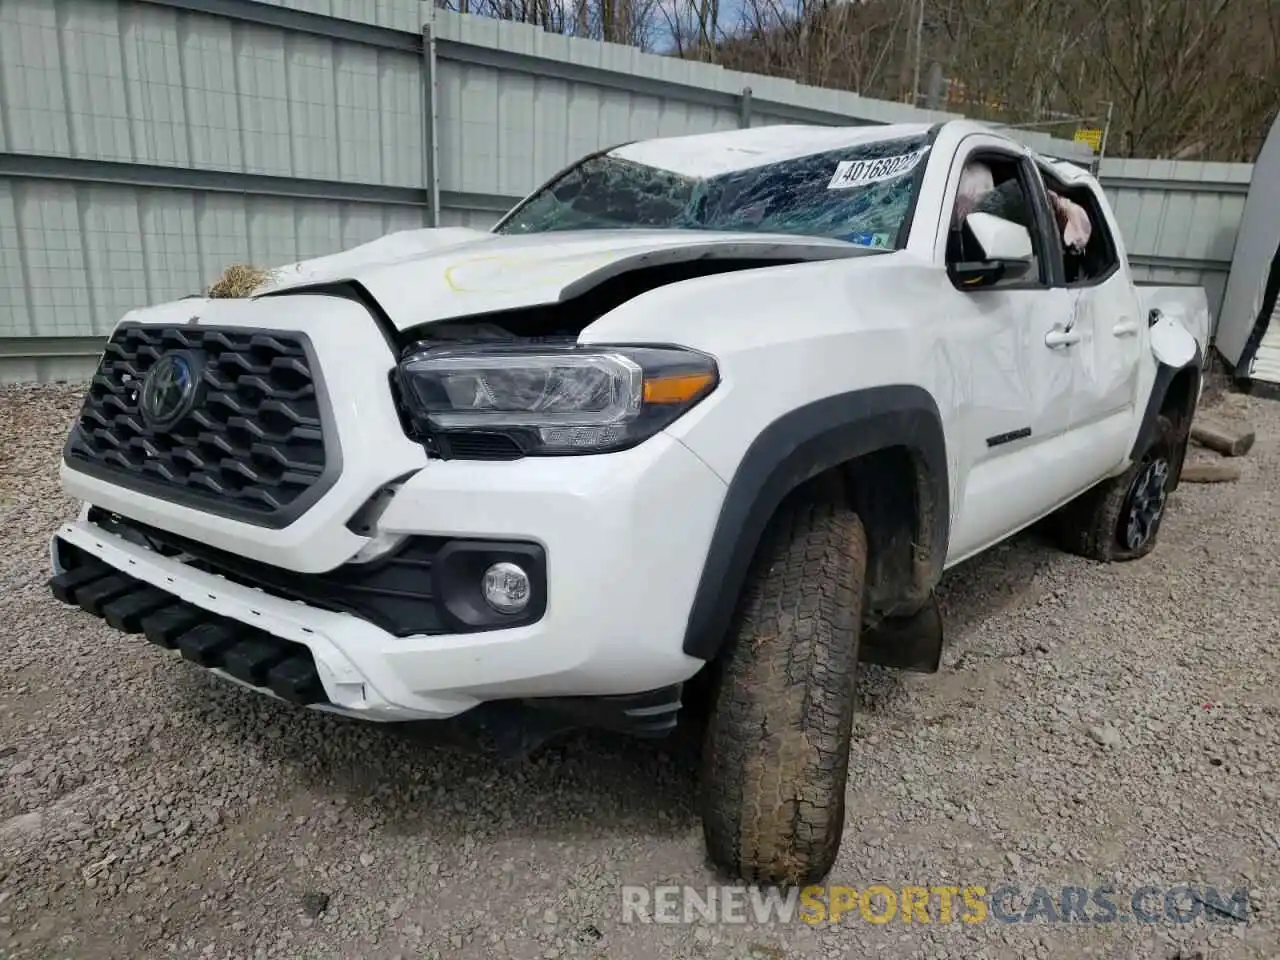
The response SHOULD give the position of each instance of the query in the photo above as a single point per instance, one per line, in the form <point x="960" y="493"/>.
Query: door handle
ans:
<point x="1125" y="328"/>
<point x="1061" y="338"/>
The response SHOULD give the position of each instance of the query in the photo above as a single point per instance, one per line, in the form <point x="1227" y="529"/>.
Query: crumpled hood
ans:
<point x="422" y="276"/>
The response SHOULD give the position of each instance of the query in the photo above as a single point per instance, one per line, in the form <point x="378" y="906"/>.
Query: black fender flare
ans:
<point x="796" y="447"/>
<point x="1165" y="375"/>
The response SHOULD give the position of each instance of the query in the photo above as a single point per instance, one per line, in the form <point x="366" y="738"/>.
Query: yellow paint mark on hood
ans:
<point x="516" y="273"/>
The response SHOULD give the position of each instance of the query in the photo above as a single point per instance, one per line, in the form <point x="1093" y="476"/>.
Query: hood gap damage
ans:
<point x="559" y="320"/>
<point x="348" y="290"/>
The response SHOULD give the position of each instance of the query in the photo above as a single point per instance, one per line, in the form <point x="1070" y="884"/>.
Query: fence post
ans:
<point x="430" y="129"/>
<point x="744" y="109"/>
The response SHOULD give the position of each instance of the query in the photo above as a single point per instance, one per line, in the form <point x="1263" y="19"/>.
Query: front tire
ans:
<point x="776" y="750"/>
<point x="1120" y="519"/>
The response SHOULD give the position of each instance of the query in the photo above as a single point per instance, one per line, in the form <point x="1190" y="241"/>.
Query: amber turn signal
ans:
<point x="677" y="388"/>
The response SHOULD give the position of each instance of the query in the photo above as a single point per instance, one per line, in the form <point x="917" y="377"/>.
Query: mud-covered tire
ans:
<point x="1100" y="524"/>
<point x="775" y="756"/>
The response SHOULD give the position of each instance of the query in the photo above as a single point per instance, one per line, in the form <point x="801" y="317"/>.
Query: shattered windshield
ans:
<point x="861" y="194"/>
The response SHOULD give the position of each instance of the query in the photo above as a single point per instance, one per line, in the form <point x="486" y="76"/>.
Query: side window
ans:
<point x="1089" y="250"/>
<point x="999" y="184"/>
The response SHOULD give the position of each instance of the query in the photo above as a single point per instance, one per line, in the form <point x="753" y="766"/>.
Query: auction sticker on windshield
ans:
<point x="859" y="173"/>
<point x="876" y="241"/>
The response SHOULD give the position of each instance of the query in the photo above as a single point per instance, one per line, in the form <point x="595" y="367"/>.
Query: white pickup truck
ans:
<point x="697" y="426"/>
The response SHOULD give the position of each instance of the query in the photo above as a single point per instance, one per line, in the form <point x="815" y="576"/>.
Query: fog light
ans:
<point x="506" y="587"/>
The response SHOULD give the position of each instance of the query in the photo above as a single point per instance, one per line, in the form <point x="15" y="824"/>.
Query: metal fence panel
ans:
<point x="140" y="82"/>
<point x="403" y="15"/>
<point x="475" y="219"/>
<point x="1179" y="219"/>
<point x="77" y="256"/>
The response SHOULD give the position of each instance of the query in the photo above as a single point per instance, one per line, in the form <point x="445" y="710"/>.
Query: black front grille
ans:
<point x="251" y="443"/>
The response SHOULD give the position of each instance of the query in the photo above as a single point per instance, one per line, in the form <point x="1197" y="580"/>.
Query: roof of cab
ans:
<point x="727" y="151"/>
<point x="1069" y="172"/>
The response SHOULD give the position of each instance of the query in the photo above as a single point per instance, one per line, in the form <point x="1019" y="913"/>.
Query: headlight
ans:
<point x="552" y="399"/>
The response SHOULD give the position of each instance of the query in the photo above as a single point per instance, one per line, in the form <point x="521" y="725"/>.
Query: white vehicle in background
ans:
<point x="701" y="422"/>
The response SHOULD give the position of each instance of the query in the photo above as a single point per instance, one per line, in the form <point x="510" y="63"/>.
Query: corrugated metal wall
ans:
<point x="146" y="144"/>
<point x="1179" y="220"/>
<point x="112" y="111"/>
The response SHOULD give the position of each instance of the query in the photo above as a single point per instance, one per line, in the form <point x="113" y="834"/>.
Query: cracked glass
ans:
<point x="861" y="194"/>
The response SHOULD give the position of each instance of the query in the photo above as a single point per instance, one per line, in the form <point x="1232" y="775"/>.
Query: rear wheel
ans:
<point x="776" y="751"/>
<point x="1120" y="518"/>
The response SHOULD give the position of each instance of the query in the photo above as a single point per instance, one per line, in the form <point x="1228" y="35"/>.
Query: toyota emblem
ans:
<point x="169" y="390"/>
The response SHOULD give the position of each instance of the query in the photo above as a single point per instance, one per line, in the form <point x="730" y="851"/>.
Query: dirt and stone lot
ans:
<point x="1091" y="726"/>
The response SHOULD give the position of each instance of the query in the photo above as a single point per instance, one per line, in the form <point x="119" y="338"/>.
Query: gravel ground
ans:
<point x="1091" y="725"/>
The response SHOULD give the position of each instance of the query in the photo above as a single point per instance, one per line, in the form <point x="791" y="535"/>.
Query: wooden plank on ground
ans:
<point x="1222" y="472"/>
<point x="1230" y="442"/>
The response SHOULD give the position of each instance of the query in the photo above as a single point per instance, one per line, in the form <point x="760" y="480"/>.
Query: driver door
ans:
<point x="1018" y="365"/>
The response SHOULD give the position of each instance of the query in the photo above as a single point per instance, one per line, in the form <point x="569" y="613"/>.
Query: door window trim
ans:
<point x="1046" y="223"/>
<point x="1050" y="269"/>
<point x="1096" y="223"/>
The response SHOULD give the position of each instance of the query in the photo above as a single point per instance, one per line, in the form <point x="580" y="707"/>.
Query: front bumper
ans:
<point x="625" y="536"/>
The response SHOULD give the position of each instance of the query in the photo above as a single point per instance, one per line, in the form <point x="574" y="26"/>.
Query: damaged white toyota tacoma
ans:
<point x="695" y="428"/>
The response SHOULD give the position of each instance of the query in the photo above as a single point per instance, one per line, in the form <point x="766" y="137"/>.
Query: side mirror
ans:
<point x="998" y="238"/>
<point x="1003" y="249"/>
